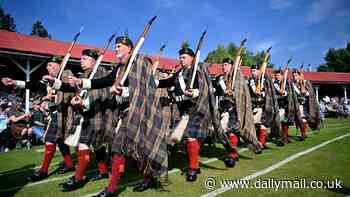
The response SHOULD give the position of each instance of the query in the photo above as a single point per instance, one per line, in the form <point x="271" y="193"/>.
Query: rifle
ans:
<point x="302" y="82"/>
<point x="284" y="79"/>
<point x="135" y="51"/>
<point x="52" y="92"/>
<point x="69" y="53"/>
<point x="196" y="58"/>
<point x="233" y="72"/>
<point x="260" y="84"/>
<point x="83" y="93"/>
<point x="156" y="62"/>
<point x="72" y="140"/>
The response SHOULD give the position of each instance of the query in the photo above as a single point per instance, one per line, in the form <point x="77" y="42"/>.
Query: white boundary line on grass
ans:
<point x="131" y="183"/>
<point x="2" y="173"/>
<point x="276" y="166"/>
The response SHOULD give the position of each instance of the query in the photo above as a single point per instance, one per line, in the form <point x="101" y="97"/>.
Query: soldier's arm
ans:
<point x="165" y="83"/>
<point x="99" y="83"/>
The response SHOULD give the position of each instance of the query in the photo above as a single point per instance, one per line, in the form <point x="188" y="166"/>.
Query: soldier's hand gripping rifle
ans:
<point x="156" y="62"/>
<point x="196" y="59"/>
<point x="284" y="78"/>
<point x="64" y="62"/>
<point x="134" y="53"/>
<point x="231" y="76"/>
<point x="261" y="78"/>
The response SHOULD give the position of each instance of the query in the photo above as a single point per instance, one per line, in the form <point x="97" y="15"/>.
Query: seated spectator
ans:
<point x="19" y="125"/>
<point x="5" y="134"/>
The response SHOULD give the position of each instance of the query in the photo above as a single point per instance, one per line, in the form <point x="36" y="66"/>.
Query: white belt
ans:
<point x="182" y="98"/>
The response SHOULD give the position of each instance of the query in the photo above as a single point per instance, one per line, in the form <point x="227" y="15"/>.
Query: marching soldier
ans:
<point x="196" y="108"/>
<point x="265" y="107"/>
<point x="94" y="112"/>
<point x="233" y="109"/>
<point x="59" y="115"/>
<point x="146" y="142"/>
<point x="282" y="97"/>
<point x="308" y="105"/>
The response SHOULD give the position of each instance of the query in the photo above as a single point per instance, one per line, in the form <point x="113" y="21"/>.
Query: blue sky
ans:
<point x="304" y="29"/>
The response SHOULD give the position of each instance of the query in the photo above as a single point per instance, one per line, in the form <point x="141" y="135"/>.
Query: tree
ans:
<point x="6" y="21"/>
<point x="337" y="60"/>
<point x="221" y="52"/>
<point x="218" y="55"/>
<point x="38" y="29"/>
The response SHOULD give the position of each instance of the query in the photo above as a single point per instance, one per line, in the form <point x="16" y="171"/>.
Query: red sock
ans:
<point x="102" y="167"/>
<point x="117" y="161"/>
<point x="50" y="150"/>
<point x="234" y="141"/>
<point x="83" y="162"/>
<point x="193" y="153"/>
<point x="262" y="136"/>
<point x="68" y="160"/>
<point x="303" y="129"/>
<point x="285" y="131"/>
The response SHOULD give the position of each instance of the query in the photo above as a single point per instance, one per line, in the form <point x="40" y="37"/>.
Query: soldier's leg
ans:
<point x="84" y="157"/>
<point x="101" y="157"/>
<point x="78" y="181"/>
<point x="50" y="149"/>
<point x="303" y="129"/>
<point x="65" y="152"/>
<point x="262" y="135"/>
<point x="285" y="131"/>
<point x="118" y="161"/>
<point x="193" y="157"/>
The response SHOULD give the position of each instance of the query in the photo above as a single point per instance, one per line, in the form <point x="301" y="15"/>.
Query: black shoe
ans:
<point x="105" y="193"/>
<point x="66" y="169"/>
<point x="72" y="184"/>
<point x="258" y="152"/>
<point x="301" y="138"/>
<point x="144" y="185"/>
<point x="279" y="143"/>
<point x="191" y="175"/>
<point x="37" y="176"/>
<point x="100" y="176"/>
<point x="230" y="162"/>
<point x="186" y="170"/>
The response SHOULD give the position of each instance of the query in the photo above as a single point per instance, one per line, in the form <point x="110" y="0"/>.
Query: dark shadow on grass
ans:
<point x="212" y="151"/>
<point x="13" y="180"/>
<point x="343" y="190"/>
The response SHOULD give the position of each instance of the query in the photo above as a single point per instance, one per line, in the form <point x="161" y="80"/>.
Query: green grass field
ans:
<point x="329" y="162"/>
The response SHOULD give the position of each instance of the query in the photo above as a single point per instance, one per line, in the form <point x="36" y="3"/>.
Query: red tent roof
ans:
<point x="31" y="44"/>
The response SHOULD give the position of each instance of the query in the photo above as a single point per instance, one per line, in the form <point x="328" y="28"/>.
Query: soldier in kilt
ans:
<point x="59" y="118"/>
<point x="236" y="120"/>
<point x="139" y="130"/>
<point x="94" y="110"/>
<point x="308" y="105"/>
<point x="196" y="108"/>
<point x="282" y="97"/>
<point x="265" y="108"/>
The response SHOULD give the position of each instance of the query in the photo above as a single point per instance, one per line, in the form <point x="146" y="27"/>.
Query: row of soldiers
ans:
<point x="147" y="115"/>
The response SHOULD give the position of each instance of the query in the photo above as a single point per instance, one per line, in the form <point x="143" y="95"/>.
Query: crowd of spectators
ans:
<point x="335" y="107"/>
<point x="19" y="129"/>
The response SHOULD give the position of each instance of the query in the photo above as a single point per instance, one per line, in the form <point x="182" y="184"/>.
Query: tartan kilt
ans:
<point x="194" y="127"/>
<point x="53" y="130"/>
<point x="143" y="131"/>
<point x="233" y="123"/>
